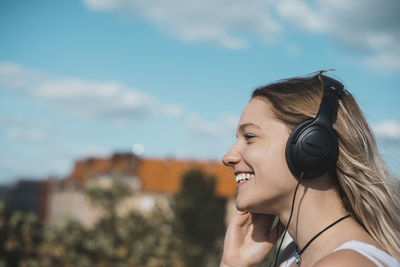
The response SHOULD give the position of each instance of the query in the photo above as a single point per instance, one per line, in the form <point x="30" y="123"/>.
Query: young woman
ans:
<point x="325" y="181"/>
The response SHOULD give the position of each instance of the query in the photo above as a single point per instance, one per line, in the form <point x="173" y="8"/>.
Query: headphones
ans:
<point x="312" y="147"/>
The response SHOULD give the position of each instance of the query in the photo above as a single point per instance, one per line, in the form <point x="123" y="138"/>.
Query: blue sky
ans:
<point x="86" y="78"/>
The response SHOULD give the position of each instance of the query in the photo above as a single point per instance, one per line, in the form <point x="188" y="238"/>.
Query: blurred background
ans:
<point x="127" y="106"/>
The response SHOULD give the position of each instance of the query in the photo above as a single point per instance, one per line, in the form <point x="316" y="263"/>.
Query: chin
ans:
<point x="241" y="206"/>
<point x="258" y="207"/>
<point x="245" y="207"/>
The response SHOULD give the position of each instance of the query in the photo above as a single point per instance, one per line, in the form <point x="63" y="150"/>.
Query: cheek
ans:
<point x="267" y="161"/>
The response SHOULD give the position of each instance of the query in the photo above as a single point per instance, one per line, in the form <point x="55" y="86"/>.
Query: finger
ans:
<point x="262" y="218"/>
<point x="240" y="218"/>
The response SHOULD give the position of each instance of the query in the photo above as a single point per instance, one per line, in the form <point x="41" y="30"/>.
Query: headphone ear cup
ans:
<point x="291" y="148"/>
<point x="311" y="149"/>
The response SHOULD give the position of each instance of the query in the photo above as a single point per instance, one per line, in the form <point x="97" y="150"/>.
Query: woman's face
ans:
<point x="259" y="156"/>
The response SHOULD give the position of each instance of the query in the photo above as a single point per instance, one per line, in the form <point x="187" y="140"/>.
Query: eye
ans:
<point x="248" y="136"/>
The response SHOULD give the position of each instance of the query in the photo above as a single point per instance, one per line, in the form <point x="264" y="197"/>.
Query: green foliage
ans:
<point x="19" y="234"/>
<point x="109" y="197"/>
<point x="192" y="237"/>
<point x="129" y="240"/>
<point x="199" y="220"/>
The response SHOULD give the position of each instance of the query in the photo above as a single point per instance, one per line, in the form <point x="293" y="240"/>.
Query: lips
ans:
<point x="243" y="176"/>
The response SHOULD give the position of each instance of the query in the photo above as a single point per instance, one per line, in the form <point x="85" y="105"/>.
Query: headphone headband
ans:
<point x="329" y="103"/>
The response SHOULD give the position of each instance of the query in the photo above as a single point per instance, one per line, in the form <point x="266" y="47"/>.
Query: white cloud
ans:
<point x="388" y="136"/>
<point x="85" y="151"/>
<point x="367" y="26"/>
<point x="102" y="4"/>
<point x="110" y="100"/>
<point x="223" y="22"/>
<point x="300" y="14"/>
<point x="20" y="129"/>
<point x="20" y="122"/>
<point x="30" y="135"/>
<point x="202" y="127"/>
<point x="222" y="127"/>
<point x="104" y="100"/>
<point x="230" y="123"/>
<point x="293" y="49"/>
<point x="384" y="61"/>
<point x="16" y="77"/>
<point x="388" y="130"/>
<point x="174" y="110"/>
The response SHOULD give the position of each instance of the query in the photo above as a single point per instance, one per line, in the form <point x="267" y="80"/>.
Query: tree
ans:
<point x="192" y="237"/>
<point x="20" y="235"/>
<point x="130" y="240"/>
<point x="199" y="220"/>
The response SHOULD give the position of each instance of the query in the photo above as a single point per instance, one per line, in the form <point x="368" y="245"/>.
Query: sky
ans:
<point x="84" y="78"/>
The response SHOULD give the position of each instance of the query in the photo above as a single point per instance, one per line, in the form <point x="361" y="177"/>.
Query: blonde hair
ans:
<point x="369" y="192"/>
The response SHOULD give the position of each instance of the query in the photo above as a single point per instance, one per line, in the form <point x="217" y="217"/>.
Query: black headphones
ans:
<point x="312" y="147"/>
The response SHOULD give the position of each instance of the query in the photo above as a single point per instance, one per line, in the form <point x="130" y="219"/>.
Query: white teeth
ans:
<point x="241" y="177"/>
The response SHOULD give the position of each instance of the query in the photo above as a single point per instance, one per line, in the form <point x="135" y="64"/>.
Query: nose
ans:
<point x="232" y="157"/>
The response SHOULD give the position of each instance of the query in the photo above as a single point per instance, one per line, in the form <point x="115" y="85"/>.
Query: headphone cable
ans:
<point x="290" y="218"/>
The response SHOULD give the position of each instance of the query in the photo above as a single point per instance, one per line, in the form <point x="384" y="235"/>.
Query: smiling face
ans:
<point x="258" y="159"/>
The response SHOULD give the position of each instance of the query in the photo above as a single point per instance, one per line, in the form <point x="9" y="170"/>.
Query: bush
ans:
<point x="193" y="237"/>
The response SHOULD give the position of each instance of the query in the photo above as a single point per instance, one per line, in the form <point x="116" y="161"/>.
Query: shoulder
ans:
<point x="345" y="257"/>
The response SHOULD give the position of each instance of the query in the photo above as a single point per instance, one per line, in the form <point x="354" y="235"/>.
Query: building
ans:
<point x="28" y="196"/>
<point x="152" y="182"/>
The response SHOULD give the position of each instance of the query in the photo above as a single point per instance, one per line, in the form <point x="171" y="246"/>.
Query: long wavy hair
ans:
<point x="368" y="191"/>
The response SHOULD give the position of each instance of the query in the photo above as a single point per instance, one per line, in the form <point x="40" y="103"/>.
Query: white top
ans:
<point x="374" y="254"/>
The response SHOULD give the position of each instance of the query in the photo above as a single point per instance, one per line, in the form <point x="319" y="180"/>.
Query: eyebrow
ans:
<point x="243" y="126"/>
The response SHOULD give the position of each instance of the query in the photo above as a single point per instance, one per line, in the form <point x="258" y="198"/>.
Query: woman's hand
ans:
<point x="248" y="239"/>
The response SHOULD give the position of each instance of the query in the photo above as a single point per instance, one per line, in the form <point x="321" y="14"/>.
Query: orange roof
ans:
<point x="118" y="163"/>
<point x="165" y="175"/>
<point x="157" y="175"/>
